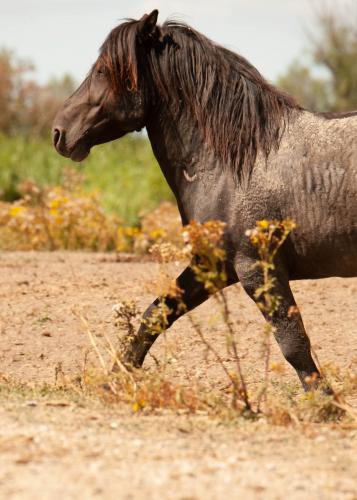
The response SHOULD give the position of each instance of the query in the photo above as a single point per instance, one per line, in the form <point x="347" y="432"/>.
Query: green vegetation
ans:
<point x="125" y="172"/>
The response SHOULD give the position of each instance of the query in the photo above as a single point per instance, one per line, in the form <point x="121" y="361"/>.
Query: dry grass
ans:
<point x="67" y="218"/>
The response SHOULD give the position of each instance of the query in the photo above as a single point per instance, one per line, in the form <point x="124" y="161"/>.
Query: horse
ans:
<point x="232" y="148"/>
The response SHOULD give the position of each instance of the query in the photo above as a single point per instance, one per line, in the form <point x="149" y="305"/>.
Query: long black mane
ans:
<point x="238" y="112"/>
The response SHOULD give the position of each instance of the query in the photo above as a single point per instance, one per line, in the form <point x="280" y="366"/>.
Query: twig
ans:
<point x="228" y="322"/>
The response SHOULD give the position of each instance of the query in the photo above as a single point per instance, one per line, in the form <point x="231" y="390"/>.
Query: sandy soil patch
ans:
<point x="92" y="451"/>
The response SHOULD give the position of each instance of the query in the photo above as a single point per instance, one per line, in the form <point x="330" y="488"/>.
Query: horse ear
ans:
<point x="148" y="28"/>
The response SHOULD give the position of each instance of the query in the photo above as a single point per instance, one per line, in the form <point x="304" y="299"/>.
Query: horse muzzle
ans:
<point x="77" y="152"/>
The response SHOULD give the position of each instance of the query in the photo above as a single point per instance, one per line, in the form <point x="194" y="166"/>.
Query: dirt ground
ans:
<point x="52" y="448"/>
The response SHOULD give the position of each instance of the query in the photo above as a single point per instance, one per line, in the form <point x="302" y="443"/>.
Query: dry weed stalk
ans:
<point x="142" y="390"/>
<point x="203" y="245"/>
<point x="268" y="237"/>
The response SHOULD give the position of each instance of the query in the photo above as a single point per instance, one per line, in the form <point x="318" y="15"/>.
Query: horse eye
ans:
<point x="129" y="85"/>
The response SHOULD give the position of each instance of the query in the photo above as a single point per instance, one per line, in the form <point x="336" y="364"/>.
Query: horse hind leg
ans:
<point x="193" y="294"/>
<point x="288" y="327"/>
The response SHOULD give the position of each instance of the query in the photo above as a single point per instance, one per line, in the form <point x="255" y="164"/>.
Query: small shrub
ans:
<point x="67" y="218"/>
<point x="56" y="218"/>
<point x="163" y="224"/>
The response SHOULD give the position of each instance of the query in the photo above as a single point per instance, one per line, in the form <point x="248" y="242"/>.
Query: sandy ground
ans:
<point x="75" y="450"/>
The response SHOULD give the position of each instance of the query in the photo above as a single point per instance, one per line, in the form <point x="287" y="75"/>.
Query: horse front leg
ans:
<point x="287" y="323"/>
<point x="193" y="294"/>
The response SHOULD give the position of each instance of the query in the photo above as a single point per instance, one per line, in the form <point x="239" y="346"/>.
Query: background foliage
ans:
<point x="332" y="49"/>
<point x="125" y="174"/>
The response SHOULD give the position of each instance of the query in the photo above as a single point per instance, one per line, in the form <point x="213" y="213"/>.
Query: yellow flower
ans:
<point x="14" y="211"/>
<point x="131" y="231"/>
<point x="138" y="405"/>
<point x="277" y="368"/>
<point x="57" y="202"/>
<point x="157" y="233"/>
<point x="264" y="224"/>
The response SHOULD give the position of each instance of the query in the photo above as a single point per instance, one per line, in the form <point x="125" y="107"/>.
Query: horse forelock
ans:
<point x="238" y="112"/>
<point x="118" y="56"/>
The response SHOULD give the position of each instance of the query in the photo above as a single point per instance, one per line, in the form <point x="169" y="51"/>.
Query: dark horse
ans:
<point x="232" y="147"/>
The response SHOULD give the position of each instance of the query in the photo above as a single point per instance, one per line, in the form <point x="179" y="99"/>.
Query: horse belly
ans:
<point x="323" y="255"/>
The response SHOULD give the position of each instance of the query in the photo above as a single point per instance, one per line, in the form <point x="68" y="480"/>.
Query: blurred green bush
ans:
<point x="125" y="172"/>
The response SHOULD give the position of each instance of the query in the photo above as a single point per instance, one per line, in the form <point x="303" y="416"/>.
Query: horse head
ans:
<point x="112" y="99"/>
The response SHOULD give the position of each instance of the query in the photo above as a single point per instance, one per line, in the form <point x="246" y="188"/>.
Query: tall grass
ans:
<point x="124" y="172"/>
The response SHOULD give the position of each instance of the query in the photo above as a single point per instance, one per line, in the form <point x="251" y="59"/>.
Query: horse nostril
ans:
<point x="56" y="136"/>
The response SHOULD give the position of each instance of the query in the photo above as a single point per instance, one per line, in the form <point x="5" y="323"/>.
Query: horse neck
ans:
<point x="177" y="145"/>
<point x="191" y="169"/>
